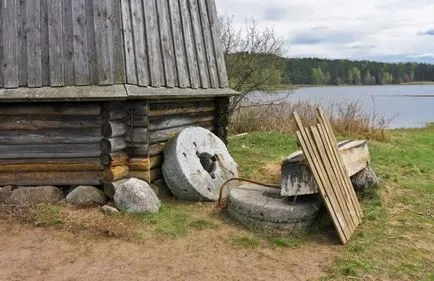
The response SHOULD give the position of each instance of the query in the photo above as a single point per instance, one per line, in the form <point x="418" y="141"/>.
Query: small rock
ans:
<point x="5" y="194"/>
<point x="36" y="195"/>
<point x="110" y="187"/>
<point x="108" y="210"/>
<point x="365" y="179"/>
<point x="161" y="189"/>
<point x="136" y="196"/>
<point x="86" y="195"/>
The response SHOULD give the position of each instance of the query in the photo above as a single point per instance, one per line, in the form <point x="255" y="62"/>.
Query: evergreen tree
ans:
<point x="317" y="76"/>
<point x="368" y="78"/>
<point x="357" y="77"/>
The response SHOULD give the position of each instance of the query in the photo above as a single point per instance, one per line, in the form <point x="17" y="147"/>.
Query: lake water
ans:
<point x="407" y="105"/>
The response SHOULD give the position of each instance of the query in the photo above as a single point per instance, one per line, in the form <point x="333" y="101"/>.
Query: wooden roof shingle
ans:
<point x="144" y="43"/>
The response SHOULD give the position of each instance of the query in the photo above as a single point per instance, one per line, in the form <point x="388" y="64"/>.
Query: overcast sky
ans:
<point x="382" y="30"/>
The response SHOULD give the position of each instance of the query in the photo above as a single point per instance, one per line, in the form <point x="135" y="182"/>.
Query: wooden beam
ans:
<point x="115" y="173"/>
<point x="37" y="151"/>
<point x="114" y="159"/>
<point x="145" y="164"/>
<point x="51" y="178"/>
<point x="92" y="165"/>
<point x="112" y="129"/>
<point x="109" y="145"/>
<point x="166" y="134"/>
<point x="56" y="109"/>
<point x="171" y="121"/>
<point x="147" y="176"/>
<point x="51" y="136"/>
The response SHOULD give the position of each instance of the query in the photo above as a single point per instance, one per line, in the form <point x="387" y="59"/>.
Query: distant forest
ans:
<point x="336" y="72"/>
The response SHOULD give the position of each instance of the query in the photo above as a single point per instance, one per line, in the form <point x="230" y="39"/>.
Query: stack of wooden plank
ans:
<point x="320" y="149"/>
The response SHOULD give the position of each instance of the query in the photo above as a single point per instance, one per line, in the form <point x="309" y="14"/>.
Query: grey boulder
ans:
<point x="365" y="179"/>
<point x="86" y="195"/>
<point x="136" y="196"/>
<point x="35" y="195"/>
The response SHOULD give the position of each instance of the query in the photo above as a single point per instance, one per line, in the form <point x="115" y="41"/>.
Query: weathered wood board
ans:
<point x="172" y="44"/>
<point x="320" y="149"/>
<point x="297" y="178"/>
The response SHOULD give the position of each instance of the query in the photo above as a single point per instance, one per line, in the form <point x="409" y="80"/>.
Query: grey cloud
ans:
<point x="316" y="36"/>
<point x="275" y="14"/>
<point x="429" y="32"/>
<point x="362" y="47"/>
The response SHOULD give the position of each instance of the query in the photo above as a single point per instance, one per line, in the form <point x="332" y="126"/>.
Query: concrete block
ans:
<point x="297" y="178"/>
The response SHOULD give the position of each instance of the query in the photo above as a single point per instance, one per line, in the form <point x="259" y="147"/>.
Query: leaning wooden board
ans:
<point x="320" y="148"/>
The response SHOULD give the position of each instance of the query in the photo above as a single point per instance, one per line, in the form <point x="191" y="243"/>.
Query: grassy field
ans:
<point x="396" y="239"/>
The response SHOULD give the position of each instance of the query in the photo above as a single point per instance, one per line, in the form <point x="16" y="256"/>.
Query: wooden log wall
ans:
<point x="114" y="144"/>
<point x="50" y="143"/>
<point x="154" y="122"/>
<point x="89" y="142"/>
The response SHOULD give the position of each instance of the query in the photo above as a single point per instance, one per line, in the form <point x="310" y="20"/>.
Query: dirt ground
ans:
<point x="44" y="253"/>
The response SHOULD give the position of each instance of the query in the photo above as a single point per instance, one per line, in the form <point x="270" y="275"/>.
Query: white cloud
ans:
<point x="369" y="29"/>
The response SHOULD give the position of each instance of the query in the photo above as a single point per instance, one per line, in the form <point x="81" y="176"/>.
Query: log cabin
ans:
<point x="91" y="90"/>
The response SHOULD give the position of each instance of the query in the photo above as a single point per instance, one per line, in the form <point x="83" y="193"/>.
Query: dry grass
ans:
<point x="348" y="119"/>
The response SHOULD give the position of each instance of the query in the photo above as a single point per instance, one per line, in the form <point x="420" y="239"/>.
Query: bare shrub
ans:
<point x="253" y="58"/>
<point x="347" y="119"/>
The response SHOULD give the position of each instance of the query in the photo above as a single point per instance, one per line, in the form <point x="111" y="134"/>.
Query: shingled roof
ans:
<point x="97" y="49"/>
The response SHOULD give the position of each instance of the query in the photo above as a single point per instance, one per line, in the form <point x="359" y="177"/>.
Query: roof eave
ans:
<point x="104" y="93"/>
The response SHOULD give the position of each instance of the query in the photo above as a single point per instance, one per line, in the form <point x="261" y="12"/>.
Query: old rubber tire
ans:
<point x="196" y="164"/>
<point x="263" y="208"/>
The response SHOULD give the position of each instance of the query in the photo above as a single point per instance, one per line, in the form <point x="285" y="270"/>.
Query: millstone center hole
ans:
<point x="208" y="161"/>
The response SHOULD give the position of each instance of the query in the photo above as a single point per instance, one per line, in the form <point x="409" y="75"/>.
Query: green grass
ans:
<point x="396" y="238"/>
<point x="255" y="150"/>
<point x="48" y="215"/>
<point x="176" y="219"/>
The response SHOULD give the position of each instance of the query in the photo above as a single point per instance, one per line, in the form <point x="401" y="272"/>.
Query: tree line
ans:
<point x="336" y="72"/>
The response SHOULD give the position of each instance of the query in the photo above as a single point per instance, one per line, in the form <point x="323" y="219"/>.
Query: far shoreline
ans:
<point x="289" y="87"/>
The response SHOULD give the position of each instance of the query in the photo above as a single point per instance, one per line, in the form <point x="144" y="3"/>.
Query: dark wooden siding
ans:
<point x="50" y="143"/>
<point x="171" y="43"/>
<point x="153" y="123"/>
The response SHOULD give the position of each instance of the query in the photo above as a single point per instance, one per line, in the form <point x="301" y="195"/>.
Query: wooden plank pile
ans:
<point x="320" y="148"/>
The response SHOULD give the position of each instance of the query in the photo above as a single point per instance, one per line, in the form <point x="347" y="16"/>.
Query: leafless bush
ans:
<point x="253" y="58"/>
<point x="347" y="119"/>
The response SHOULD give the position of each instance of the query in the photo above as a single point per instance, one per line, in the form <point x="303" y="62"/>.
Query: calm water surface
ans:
<point x="407" y="105"/>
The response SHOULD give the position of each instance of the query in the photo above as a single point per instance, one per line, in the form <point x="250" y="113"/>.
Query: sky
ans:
<point x="379" y="30"/>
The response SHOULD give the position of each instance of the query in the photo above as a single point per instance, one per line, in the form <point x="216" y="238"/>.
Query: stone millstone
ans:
<point x="136" y="196"/>
<point x="196" y="164"/>
<point x="264" y="209"/>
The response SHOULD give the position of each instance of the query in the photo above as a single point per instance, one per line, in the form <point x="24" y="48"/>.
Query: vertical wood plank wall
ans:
<point x="171" y="43"/>
<point x="60" y="43"/>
